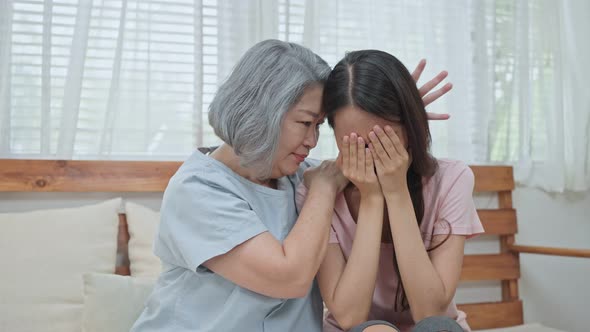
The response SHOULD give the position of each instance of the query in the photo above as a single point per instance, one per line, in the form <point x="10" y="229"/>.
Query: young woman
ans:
<point x="399" y="228"/>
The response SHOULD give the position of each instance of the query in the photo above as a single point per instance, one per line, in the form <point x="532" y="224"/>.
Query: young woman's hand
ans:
<point x="391" y="160"/>
<point x="327" y="173"/>
<point x="425" y="90"/>
<point x="358" y="167"/>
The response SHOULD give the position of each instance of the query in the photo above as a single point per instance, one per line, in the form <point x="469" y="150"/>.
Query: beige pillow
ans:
<point x="533" y="327"/>
<point x="112" y="302"/>
<point x="143" y="224"/>
<point x="44" y="255"/>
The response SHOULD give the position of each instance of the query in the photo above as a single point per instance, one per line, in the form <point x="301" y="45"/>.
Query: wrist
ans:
<point x="372" y="196"/>
<point x="397" y="195"/>
<point x="326" y="187"/>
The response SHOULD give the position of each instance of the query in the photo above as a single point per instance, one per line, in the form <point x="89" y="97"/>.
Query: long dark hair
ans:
<point x="378" y="83"/>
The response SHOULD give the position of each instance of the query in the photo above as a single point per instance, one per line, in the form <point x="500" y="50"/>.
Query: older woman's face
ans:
<point x="299" y="132"/>
<point x="352" y="119"/>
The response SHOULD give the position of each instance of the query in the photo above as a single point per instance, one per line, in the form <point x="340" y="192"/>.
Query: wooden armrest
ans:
<point x="550" y="251"/>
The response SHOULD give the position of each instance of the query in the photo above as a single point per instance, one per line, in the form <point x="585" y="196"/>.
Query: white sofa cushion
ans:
<point x="143" y="224"/>
<point x="44" y="255"/>
<point x="533" y="327"/>
<point x="112" y="302"/>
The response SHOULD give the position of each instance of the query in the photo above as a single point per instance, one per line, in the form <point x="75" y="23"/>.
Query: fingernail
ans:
<point x="372" y="135"/>
<point x="361" y="140"/>
<point x="377" y="129"/>
<point x="345" y="139"/>
<point x="353" y="136"/>
<point x="388" y="128"/>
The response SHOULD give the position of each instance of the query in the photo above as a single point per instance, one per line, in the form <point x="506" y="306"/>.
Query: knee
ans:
<point x="437" y="324"/>
<point x="374" y="326"/>
<point x="380" y="328"/>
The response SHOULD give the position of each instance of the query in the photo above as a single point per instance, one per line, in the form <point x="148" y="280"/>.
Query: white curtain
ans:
<point x="132" y="79"/>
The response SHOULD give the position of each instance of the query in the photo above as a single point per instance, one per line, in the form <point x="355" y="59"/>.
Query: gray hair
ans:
<point x="248" y="109"/>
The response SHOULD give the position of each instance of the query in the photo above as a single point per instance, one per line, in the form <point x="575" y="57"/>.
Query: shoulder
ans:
<point x="450" y="171"/>
<point x="451" y="177"/>
<point x="201" y="175"/>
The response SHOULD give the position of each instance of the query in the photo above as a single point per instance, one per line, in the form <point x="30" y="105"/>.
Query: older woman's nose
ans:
<point x="311" y="139"/>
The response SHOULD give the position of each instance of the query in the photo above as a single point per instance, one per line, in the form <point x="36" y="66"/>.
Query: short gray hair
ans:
<point x="248" y="109"/>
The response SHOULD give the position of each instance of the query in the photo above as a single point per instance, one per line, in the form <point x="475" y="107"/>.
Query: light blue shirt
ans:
<point x="207" y="210"/>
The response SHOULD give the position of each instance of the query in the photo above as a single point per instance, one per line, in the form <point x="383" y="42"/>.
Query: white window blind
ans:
<point x="115" y="79"/>
<point x="133" y="79"/>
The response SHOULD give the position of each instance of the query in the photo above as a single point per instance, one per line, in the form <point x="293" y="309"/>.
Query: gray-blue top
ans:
<point x="207" y="210"/>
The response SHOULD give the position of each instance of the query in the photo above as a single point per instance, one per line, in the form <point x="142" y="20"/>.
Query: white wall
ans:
<point x="555" y="290"/>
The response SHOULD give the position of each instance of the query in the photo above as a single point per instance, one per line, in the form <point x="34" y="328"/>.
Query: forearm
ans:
<point x="423" y="286"/>
<point x="353" y="294"/>
<point x="305" y="246"/>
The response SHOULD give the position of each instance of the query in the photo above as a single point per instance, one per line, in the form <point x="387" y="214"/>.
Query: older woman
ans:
<point x="237" y="255"/>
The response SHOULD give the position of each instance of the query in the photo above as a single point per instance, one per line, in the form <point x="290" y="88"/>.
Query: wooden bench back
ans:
<point x="503" y="266"/>
<point x="148" y="176"/>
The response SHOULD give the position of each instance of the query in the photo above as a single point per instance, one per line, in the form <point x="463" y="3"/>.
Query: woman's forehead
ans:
<point x="353" y="119"/>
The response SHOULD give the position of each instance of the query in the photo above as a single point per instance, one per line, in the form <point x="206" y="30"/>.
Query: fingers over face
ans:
<point x="345" y="153"/>
<point x="353" y="152"/>
<point x="360" y="148"/>
<point x="397" y="143"/>
<point x="386" y="141"/>
<point x="369" y="165"/>
<point x="377" y="148"/>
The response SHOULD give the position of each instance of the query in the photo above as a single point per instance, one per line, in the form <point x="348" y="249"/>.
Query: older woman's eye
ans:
<point x="306" y="123"/>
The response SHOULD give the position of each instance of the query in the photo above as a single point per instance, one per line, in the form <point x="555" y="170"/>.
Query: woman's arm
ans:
<point x="429" y="284"/>
<point x="347" y="286"/>
<point x="264" y="265"/>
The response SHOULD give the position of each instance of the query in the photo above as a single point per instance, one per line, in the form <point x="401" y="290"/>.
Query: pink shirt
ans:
<point x="447" y="196"/>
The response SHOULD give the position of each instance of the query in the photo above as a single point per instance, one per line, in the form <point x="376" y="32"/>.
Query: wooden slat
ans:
<point x="123" y="270"/>
<point x="122" y="265"/>
<point x="498" y="221"/>
<point x="490" y="267"/>
<point x="493" y="314"/>
<point x="493" y="178"/>
<point x="509" y="287"/>
<point x="551" y="251"/>
<point x="85" y="176"/>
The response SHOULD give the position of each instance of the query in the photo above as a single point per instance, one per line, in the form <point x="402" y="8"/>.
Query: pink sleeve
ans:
<point x="333" y="237"/>
<point x="300" y="200"/>
<point x="457" y="208"/>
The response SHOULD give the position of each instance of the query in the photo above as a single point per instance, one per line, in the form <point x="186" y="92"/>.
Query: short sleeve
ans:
<point x="300" y="200"/>
<point x="333" y="237"/>
<point x="457" y="208"/>
<point x="201" y="220"/>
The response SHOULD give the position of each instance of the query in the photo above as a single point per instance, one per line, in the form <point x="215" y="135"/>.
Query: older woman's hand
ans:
<point x="425" y="91"/>
<point x="328" y="173"/>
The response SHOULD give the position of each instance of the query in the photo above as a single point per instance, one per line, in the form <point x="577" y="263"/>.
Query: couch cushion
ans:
<point x="44" y="255"/>
<point x="112" y="302"/>
<point x="533" y="327"/>
<point x="143" y="224"/>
